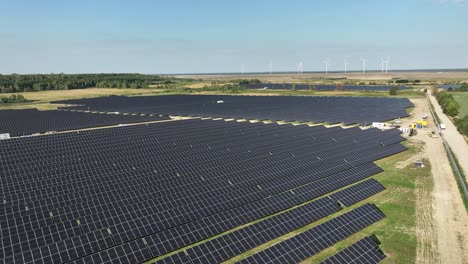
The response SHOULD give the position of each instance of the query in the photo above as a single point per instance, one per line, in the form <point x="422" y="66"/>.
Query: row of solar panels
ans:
<point x="449" y="86"/>
<point x="31" y="121"/>
<point x="168" y="185"/>
<point x="320" y="87"/>
<point x="365" y="250"/>
<point x="317" y="109"/>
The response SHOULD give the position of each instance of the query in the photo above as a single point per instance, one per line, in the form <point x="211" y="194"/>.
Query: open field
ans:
<point x="41" y="99"/>
<point x="462" y="100"/>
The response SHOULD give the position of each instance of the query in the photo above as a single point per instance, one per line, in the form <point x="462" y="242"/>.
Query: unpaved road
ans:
<point x="455" y="140"/>
<point x="449" y="214"/>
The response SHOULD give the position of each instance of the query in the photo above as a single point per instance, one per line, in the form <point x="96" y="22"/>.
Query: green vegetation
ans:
<point x="463" y="88"/>
<point x="393" y="90"/>
<point x="456" y="105"/>
<point x="448" y="104"/>
<point x="462" y="125"/>
<point x="42" y="82"/>
<point x="225" y="88"/>
<point x="403" y="81"/>
<point x="247" y="81"/>
<point x="462" y="99"/>
<point x="14" y="98"/>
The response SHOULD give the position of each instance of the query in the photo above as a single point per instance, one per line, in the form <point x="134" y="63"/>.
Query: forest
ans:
<point x="42" y="82"/>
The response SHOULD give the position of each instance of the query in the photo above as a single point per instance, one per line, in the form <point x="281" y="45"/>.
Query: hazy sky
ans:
<point x="177" y="36"/>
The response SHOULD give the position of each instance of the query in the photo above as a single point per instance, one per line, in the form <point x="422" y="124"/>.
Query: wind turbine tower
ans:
<point x="382" y="64"/>
<point x="386" y="62"/>
<point x="364" y="65"/>
<point x="270" y="66"/>
<point x="346" y="63"/>
<point x="326" y="62"/>
<point x="299" y="68"/>
<point x="242" y="69"/>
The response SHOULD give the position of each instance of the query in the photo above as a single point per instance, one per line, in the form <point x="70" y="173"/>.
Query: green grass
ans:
<point x="462" y="100"/>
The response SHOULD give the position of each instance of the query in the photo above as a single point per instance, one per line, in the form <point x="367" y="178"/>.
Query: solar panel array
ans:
<point x="448" y="86"/>
<point x="133" y="193"/>
<point x="174" y="238"/>
<point x="357" y="192"/>
<point x="364" y="251"/>
<point x="31" y="121"/>
<point x="309" y="243"/>
<point x="241" y="240"/>
<point x="317" y="109"/>
<point x="320" y="87"/>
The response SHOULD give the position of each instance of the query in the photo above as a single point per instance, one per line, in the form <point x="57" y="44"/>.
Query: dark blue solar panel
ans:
<point x="309" y="243"/>
<point x="365" y="250"/>
<point x="317" y="109"/>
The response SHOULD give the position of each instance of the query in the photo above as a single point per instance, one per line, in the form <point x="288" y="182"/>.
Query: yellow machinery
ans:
<point x="422" y="122"/>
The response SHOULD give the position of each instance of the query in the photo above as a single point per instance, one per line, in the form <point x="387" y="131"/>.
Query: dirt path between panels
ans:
<point x="441" y="216"/>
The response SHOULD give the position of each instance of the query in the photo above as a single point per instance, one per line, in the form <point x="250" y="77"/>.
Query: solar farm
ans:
<point x="192" y="190"/>
<point x="317" y="109"/>
<point x="319" y="87"/>
<point x="31" y="121"/>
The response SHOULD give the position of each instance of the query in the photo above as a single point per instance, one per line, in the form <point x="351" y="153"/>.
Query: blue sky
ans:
<point x="182" y="36"/>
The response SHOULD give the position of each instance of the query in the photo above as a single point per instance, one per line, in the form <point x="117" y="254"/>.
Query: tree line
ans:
<point x="43" y="82"/>
<point x="451" y="108"/>
<point x="14" y="98"/>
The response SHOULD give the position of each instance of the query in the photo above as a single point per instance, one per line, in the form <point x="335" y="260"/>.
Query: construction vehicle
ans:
<point x="413" y="132"/>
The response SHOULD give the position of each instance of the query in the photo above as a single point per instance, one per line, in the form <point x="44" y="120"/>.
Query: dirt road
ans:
<point x="455" y="140"/>
<point x="449" y="214"/>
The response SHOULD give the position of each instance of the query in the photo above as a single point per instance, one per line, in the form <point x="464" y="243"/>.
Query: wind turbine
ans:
<point x="270" y="66"/>
<point x="346" y="63"/>
<point x="386" y="62"/>
<point x="242" y="69"/>
<point x="382" y="64"/>
<point x="364" y="65"/>
<point x="326" y="62"/>
<point x="299" y="68"/>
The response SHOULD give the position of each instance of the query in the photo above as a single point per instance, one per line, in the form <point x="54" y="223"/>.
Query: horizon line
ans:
<point x="256" y="72"/>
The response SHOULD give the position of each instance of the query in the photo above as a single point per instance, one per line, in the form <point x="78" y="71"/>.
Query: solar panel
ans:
<point x="172" y="183"/>
<point x="132" y="252"/>
<point x="174" y="238"/>
<point x="317" y="109"/>
<point x="365" y="250"/>
<point x="358" y="192"/>
<point x="179" y="258"/>
<point x="320" y="87"/>
<point x="239" y="241"/>
<point x="31" y="121"/>
<point x="309" y="243"/>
